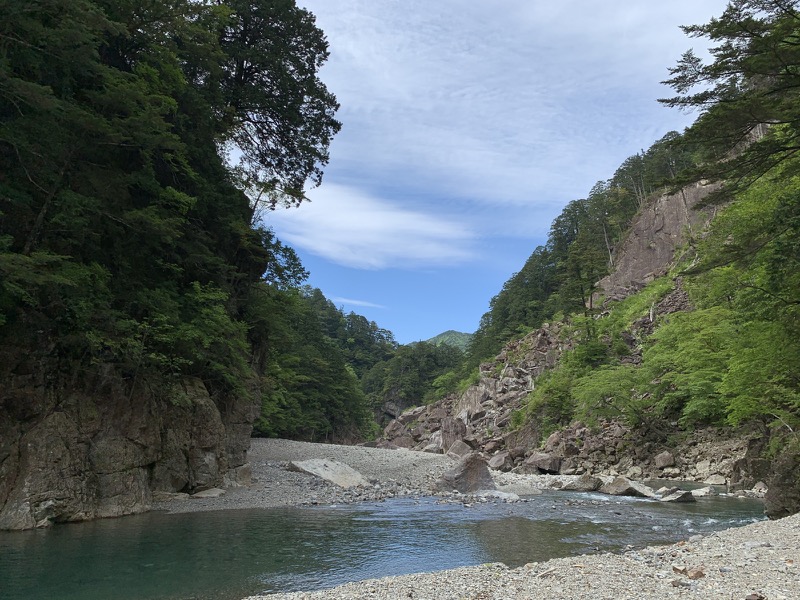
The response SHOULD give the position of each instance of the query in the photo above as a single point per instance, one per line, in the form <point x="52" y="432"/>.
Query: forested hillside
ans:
<point x="713" y="338"/>
<point x="143" y="310"/>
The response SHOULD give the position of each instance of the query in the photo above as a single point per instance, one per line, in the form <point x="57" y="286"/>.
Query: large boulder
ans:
<point x="663" y="460"/>
<point x="330" y="470"/>
<point x="543" y="463"/>
<point x="622" y="486"/>
<point x="471" y="474"/>
<point x="584" y="483"/>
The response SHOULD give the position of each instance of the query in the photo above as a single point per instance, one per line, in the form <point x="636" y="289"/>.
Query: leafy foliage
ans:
<point x="127" y="240"/>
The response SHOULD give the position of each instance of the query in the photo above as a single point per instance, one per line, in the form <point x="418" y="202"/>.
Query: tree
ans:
<point x="276" y="111"/>
<point x="748" y="95"/>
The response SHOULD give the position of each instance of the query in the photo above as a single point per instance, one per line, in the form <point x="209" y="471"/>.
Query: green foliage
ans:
<point x="416" y="374"/>
<point x="751" y="84"/>
<point x="453" y="338"/>
<point x="127" y="241"/>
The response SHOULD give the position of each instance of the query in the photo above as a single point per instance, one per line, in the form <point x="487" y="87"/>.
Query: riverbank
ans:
<point x="755" y="562"/>
<point x="392" y="473"/>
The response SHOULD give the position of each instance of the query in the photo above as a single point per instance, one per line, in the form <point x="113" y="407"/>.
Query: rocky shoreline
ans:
<point x="755" y="562"/>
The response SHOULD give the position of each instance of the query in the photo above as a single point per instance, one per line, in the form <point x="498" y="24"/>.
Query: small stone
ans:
<point x="695" y="573"/>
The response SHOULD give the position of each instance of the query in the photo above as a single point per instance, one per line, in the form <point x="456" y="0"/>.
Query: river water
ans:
<point x="226" y="555"/>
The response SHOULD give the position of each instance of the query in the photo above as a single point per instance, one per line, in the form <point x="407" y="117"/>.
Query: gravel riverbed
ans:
<point x="754" y="562"/>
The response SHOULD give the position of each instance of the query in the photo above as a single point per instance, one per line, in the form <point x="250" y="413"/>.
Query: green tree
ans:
<point x="747" y="94"/>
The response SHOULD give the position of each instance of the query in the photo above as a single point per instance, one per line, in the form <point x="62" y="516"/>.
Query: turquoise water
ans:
<point x="227" y="555"/>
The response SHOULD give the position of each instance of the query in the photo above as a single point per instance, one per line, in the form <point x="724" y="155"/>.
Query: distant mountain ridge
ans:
<point x="451" y="337"/>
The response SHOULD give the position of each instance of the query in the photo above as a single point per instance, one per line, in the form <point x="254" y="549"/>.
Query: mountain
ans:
<point x="453" y="338"/>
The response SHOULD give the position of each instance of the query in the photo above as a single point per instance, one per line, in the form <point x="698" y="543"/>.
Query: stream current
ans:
<point x="226" y="555"/>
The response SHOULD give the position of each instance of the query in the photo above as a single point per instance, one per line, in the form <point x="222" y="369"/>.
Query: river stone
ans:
<point x="584" y="483"/>
<point x="471" y="474"/>
<point x="679" y="496"/>
<point x="622" y="486"/>
<point x="715" y="480"/>
<point x="329" y="470"/>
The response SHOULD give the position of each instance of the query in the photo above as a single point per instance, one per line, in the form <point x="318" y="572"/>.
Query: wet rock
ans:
<point x="622" y="486"/>
<point x="679" y="496"/>
<point x="584" y="483"/>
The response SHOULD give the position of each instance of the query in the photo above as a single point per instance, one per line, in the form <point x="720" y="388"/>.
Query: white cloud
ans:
<point x="350" y="302"/>
<point x="501" y="102"/>
<point x="352" y="228"/>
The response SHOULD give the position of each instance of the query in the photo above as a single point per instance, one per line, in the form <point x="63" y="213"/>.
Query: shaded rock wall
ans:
<point x="68" y="455"/>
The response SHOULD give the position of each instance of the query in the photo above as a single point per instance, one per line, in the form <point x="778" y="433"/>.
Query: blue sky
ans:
<point x="467" y="126"/>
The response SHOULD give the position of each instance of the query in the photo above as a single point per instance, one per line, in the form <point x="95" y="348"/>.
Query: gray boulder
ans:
<point x="471" y="474"/>
<point x="679" y="496"/>
<point x="663" y="460"/>
<point x="501" y="461"/>
<point x="622" y="486"/>
<point x="543" y="462"/>
<point x="330" y="470"/>
<point x="584" y="483"/>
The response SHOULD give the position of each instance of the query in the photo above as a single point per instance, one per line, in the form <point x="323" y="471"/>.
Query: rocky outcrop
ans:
<point x="655" y="234"/>
<point x="69" y="455"/>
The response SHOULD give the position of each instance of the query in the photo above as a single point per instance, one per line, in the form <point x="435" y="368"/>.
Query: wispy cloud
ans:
<point x="352" y="228"/>
<point x="360" y="303"/>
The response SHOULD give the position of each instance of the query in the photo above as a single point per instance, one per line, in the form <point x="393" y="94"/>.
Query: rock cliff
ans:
<point x="71" y="455"/>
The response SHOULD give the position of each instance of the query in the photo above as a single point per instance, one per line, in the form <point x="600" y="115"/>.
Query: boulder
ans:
<point x="452" y="430"/>
<point x="501" y="461"/>
<point x="471" y="474"/>
<point x="702" y="492"/>
<point x="543" y="462"/>
<point x="783" y="495"/>
<point x="622" y="486"/>
<point x="459" y="449"/>
<point x="715" y="480"/>
<point x="679" y="496"/>
<point x="584" y="483"/>
<point x="330" y="470"/>
<point x="663" y="460"/>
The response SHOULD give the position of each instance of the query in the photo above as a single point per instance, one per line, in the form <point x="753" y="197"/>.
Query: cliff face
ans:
<point x="68" y="455"/>
<point x="655" y="234"/>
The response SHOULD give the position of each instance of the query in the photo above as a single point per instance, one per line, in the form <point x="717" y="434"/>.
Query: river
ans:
<point x="226" y="555"/>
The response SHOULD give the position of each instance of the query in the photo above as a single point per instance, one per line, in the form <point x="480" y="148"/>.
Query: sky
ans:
<point x="466" y="128"/>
